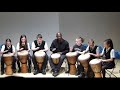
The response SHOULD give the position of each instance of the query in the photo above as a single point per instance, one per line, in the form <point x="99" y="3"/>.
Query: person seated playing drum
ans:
<point x="60" y="46"/>
<point x="23" y="45"/>
<point x="93" y="50"/>
<point x="39" y="45"/>
<point x="8" y="48"/>
<point x="108" y="56"/>
<point x="79" y="48"/>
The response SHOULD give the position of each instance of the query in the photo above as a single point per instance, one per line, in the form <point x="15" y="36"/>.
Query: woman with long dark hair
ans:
<point x="24" y="45"/>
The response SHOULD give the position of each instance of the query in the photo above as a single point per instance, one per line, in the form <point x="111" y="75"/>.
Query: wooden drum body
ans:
<point x="84" y="61"/>
<point x="23" y="56"/>
<point x="96" y="67"/>
<point x="40" y="55"/>
<point x="72" y="58"/>
<point x="8" y="59"/>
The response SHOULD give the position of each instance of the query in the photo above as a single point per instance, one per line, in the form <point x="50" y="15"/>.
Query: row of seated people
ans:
<point x="61" y="46"/>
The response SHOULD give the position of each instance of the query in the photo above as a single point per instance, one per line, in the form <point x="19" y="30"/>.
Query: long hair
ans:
<point x="26" y="47"/>
<point x="109" y="42"/>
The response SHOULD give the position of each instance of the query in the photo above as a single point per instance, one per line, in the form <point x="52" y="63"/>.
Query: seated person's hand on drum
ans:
<point x="21" y="49"/>
<point x="104" y="60"/>
<point x="53" y="49"/>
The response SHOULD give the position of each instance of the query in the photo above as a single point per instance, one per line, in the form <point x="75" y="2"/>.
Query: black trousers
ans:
<point x="58" y="66"/>
<point x="106" y="65"/>
<point x="13" y="63"/>
<point x="44" y="64"/>
<point x="29" y="62"/>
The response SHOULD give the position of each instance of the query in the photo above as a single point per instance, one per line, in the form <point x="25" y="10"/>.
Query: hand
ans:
<point x="91" y="53"/>
<point x="77" y="51"/>
<point x="71" y="48"/>
<point x="103" y="60"/>
<point x="21" y="49"/>
<point x="84" y="52"/>
<point x="41" y="50"/>
<point x="53" y="49"/>
<point x="6" y="50"/>
<point x="60" y="53"/>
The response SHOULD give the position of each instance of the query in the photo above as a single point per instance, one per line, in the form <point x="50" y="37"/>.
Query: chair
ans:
<point x="110" y="72"/>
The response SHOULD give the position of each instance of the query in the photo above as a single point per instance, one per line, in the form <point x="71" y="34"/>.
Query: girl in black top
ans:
<point x="108" y="55"/>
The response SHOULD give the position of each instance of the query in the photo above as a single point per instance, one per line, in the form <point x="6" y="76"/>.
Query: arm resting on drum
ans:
<point x="108" y="60"/>
<point x="66" y="49"/>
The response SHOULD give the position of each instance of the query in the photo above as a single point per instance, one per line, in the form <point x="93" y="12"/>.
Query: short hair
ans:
<point x="39" y="36"/>
<point x="91" y="40"/>
<point x="80" y="38"/>
<point x="58" y="33"/>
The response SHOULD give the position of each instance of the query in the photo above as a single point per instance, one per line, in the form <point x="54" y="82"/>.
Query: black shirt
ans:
<point x="78" y="48"/>
<point x="62" y="46"/>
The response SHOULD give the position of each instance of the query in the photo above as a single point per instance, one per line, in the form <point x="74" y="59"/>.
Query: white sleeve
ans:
<point x="87" y="49"/>
<point x="28" y="46"/>
<point x="13" y="49"/>
<point x="3" y="48"/>
<point x="33" y="45"/>
<point x="112" y="53"/>
<point x="102" y="52"/>
<point x="46" y="46"/>
<point x="18" y="46"/>
<point x="97" y="50"/>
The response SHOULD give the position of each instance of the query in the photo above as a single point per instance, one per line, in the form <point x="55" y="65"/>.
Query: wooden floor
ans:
<point x="62" y="74"/>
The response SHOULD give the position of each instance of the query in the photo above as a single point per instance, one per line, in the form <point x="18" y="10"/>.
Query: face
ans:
<point x="78" y="41"/>
<point x="90" y="42"/>
<point x="8" y="43"/>
<point x="59" y="36"/>
<point x="23" y="39"/>
<point x="39" y="40"/>
<point x="106" y="45"/>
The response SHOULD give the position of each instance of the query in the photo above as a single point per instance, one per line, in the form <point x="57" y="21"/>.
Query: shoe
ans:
<point x="55" y="73"/>
<point x="86" y="76"/>
<point x="81" y="75"/>
<point x="67" y="71"/>
<point x="36" y="72"/>
<point x="77" y="73"/>
<point x="2" y="72"/>
<point x="14" y="70"/>
<point x="19" y="70"/>
<point x="44" y="72"/>
<point x="29" y="70"/>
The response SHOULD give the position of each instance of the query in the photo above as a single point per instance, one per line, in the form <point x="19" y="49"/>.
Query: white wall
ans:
<point x="13" y="24"/>
<point x="96" y="25"/>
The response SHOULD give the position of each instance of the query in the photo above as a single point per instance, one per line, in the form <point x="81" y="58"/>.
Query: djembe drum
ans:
<point x="8" y="59"/>
<point x="96" y="67"/>
<point x="55" y="58"/>
<point x="23" y="57"/>
<point x="40" y="55"/>
<point x="84" y="61"/>
<point x="72" y="58"/>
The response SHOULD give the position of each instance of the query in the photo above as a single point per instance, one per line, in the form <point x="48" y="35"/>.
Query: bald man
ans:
<point x="59" y="45"/>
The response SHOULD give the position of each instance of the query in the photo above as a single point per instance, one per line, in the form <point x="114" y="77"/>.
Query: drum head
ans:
<point x="39" y="54"/>
<point x="8" y="55"/>
<point x="84" y="56"/>
<point x="95" y="61"/>
<point x="71" y="54"/>
<point x="22" y="53"/>
<point x="55" y="55"/>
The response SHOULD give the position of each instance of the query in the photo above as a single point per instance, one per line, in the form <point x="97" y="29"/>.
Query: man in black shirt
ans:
<point x="61" y="46"/>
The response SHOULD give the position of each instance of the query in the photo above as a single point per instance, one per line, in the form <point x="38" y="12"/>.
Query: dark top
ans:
<point x="92" y="50"/>
<point x="78" y="48"/>
<point x="9" y="49"/>
<point x="41" y="46"/>
<point x="60" y="47"/>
